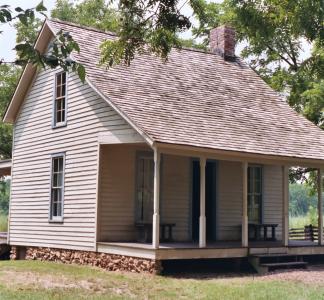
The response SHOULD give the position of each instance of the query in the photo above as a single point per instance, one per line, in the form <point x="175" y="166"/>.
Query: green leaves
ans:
<point x="40" y="7"/>
<point x="145" y="26"/>
<point x="81" y="72"/>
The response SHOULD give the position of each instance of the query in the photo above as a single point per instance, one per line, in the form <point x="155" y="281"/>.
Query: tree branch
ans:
<point x="281" y="56"/>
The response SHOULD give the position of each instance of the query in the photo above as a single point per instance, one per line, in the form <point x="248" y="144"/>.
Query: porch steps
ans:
<point x="265" y="263"/>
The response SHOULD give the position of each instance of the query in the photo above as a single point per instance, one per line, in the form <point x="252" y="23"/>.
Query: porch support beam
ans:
<point x="202" y="217"/>
<point x="320" y="206"/>
<point x="156" y="204"/>
<point x="285" y="207"/>
<point x="245" y="234"/>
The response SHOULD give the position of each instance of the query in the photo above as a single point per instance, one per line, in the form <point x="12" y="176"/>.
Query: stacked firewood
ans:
<point x="111" y="262"/>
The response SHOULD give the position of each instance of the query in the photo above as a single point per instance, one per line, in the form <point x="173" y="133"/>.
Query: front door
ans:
<point x="210" y="200"/>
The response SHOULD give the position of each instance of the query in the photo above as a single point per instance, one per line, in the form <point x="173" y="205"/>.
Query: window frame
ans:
<point x="51" y="218"/>
<point x="141" y="155"/>
<point x="56" y="124"/>
<point x="261" y="194"/>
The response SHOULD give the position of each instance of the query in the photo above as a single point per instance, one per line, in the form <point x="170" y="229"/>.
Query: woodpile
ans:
<point x="13" y="253"/>
<point x="111" y="262"/>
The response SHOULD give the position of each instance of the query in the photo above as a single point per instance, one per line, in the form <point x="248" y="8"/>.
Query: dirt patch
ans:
<point x="314" y="275"/>
<point x="19" y="279"/>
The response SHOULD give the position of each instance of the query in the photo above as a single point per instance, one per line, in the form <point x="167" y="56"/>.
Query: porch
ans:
<point x="208" y="196"/>
<point x="212" y="250"/>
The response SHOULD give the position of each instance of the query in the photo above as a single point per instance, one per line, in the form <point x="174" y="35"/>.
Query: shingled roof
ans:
<point x="199" y="99"/>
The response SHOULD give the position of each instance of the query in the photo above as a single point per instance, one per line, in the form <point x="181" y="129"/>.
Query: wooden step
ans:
<point x="274" y="255"/>
<point x="285" y="264"/>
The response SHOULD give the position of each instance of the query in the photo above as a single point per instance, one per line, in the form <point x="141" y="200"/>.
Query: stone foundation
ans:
<point x="110" y="262"/>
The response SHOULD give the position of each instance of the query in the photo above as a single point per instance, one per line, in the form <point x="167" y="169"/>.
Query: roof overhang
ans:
<point x="257" y="158"/>
<point x="27" y="76"/>
<point x="5" y="167"/>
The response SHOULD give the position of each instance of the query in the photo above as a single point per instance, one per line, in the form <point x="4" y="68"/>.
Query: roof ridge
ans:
<point x="114" y="34"/>
<point x="81" y="26"/>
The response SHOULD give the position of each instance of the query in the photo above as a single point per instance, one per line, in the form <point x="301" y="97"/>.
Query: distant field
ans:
<point x="3" y="223"/>
<point x="298" y="222"/>
<point x="33" y="280"/>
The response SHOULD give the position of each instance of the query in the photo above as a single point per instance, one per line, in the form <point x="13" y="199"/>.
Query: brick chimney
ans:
<point x="222" y="42"/>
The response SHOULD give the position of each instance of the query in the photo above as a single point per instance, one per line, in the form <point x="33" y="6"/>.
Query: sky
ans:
<point x="8" y="36"/>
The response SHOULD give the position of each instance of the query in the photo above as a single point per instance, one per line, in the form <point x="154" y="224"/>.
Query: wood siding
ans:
<point x="272" y="196"/>
<point x="117" y="192"/>
<point x="229" y="206"/>
<point x="176" y="195"/>
<point x="87" y="116"/>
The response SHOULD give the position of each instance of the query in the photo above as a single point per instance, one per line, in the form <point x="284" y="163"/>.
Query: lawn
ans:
<point x="40" y="280"/>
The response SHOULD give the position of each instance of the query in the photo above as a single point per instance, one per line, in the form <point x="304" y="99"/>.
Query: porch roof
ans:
<point x="198" y="99"/>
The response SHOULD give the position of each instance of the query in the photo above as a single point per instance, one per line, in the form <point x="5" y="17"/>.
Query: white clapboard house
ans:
<point x="186" y="159"/>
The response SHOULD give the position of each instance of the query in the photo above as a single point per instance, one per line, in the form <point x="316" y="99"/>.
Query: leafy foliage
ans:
<point x="94" y="13"/>
<point x="151" y="26"/>
<point x="9" y="75"/>
<point x="4" y="196"/>
<point x="301" y="199"/>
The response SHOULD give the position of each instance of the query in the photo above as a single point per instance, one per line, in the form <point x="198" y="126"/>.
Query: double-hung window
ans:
<point x="144" y="188"/>
<point x="57" y="188"/>
<point x="255" y="194"/>
<point x="59" y="116"/>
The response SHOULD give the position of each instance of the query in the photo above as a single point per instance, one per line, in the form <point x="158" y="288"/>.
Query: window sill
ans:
<point x="56" y="221"/>
<point x="59" y="125"/>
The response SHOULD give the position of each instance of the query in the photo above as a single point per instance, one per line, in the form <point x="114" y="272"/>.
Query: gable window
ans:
<point x="144" y="188"/>
<point x="60" y="100"/>
<point x="255" y="194"/>
<point x="57" y="187"/>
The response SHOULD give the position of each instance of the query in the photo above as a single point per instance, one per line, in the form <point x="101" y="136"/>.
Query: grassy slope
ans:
<point x="35" y="280"/>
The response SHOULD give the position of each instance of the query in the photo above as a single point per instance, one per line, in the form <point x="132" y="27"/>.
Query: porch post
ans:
<point x="202" y="217"/>
<point x="245" y="225"/>
<point x="156" y="204"/>
<point x="285" y="208"/>
<point x="320" y="207"/>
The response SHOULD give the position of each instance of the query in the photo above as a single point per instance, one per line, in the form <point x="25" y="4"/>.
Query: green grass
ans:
<point x="42" y="280"/>
<point x="299" y="221"/>
<point x="3" y="223"/>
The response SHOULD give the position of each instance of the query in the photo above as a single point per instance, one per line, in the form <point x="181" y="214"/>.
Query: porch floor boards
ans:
<point x="225" y="249"/>
<point x="212" y="245"/>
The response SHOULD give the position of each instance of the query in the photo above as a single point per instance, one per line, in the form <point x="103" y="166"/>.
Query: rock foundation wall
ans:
<point x="111" y="262"/>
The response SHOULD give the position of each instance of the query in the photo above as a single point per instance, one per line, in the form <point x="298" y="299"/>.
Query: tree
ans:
<point x="4" y="196"/>
<point x="301" y="199"/>
<point x="9" y="75"/>
<point x="94" y="13"/>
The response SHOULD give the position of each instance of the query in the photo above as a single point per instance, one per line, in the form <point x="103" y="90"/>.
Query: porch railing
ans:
<point x="306" y="233"/>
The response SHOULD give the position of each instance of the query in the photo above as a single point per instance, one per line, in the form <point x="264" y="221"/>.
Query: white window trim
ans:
<point x="59" y="124"/>
<point x="56" y="219"/>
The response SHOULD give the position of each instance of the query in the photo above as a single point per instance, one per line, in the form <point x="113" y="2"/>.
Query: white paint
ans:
<point x="285" y="212"/>
<point x="202" y="217"/>
<point x="320" y="206"/>
<point x="35" y="141"/>
<point x="118" y="138"/>
<point x="245" y="236"/>
<point x="156" y="201"/>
